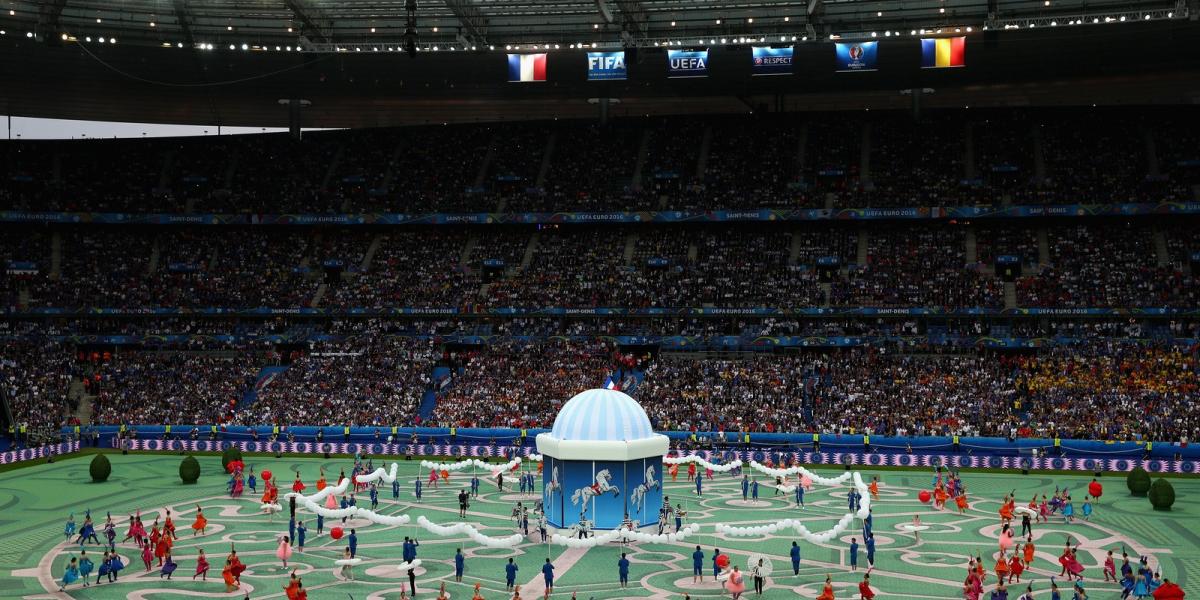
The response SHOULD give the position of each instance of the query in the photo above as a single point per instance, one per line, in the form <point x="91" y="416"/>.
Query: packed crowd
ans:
<point x="1093" y="265"/>
<point x="1106" y="387"/>
<point x="947" y="158"/>
<point x="518" y="385"/>
<point x="369" y="380"/>
<point x="171" y="386"/>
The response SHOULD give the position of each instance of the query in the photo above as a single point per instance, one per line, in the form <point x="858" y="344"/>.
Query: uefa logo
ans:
<point x="856" y="52"/>
<point x="758" y="60"/>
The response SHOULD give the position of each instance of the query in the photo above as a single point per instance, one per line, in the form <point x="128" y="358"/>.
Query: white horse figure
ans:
<point x="553" y="485"/>
<point x="599" y="488"/>
<point x="638" y="495"/>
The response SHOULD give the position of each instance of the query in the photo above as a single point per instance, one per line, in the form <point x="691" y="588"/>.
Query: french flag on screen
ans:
<point x="527" y="67"/>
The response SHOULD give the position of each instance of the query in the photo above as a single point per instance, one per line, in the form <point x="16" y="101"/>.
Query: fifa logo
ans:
<point x="606" y="62"/>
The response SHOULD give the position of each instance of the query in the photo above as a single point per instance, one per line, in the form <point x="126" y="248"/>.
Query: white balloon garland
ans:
<point x="725" y="468"/>
<point x="633" y="535"/>
<point x="842" y="525"/>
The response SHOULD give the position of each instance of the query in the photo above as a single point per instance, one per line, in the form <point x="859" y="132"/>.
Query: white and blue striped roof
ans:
<point x="602" y="415"/>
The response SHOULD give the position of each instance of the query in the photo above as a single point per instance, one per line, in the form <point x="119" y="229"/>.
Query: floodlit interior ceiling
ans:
<point x="227" y="62"/>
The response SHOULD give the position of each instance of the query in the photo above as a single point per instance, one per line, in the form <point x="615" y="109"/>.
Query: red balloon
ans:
<point x="924" y="496"/>
<point x="722" y="561"/>
<point x="336" y="533"/>
<point x="1095" y="488"/>
<point x="266" y="475"/>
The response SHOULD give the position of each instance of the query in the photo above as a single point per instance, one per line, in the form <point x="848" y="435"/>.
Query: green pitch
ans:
<point x="37" y="500"/>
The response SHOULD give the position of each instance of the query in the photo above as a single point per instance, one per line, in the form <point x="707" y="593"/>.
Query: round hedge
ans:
<point x="1162" y="494"/>
<point x="1138" y="481"/>
<point x="230" y="454"/>
<point x="100" y="468"/>
<point x="189" y="469"/>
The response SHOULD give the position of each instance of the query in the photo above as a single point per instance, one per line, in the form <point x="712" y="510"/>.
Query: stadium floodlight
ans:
<point x="101" y="40"/>
<point x="179" y="45"/>
<point x="1054" y="23"/>
<point x="112" y="40"/>
<point x="672" y="23"/>
<point x="245" y="46"/>
<point x="232" y="47"/>
<point x="786" y="19"/>
<point x="873" y="34"/>
<point x="29" y="34"/>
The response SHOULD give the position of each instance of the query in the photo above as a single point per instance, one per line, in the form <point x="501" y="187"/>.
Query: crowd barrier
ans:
<point x="836" y="459"/>
<point x="798" y="442"/>
<point x="37" y="452"/>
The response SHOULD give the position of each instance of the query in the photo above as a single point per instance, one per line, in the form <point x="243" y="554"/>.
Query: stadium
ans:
<point x="516" y="299"/>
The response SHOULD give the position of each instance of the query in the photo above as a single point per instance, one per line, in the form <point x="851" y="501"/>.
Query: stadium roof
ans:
<point x="322" y="24"/>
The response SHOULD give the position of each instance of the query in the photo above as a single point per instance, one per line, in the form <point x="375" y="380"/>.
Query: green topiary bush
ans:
<point x="189" y="469"/>
<point x="100" y="468"/>
<point x="230" y="454"/>
<point x="1162" y="494"/>
<point x="1138" y="481"/>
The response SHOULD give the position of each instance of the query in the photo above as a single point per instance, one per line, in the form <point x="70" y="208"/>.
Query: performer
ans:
<point x="691" y="471"/>
<point x="1002" y="567"/>
<point x="699" y="487"/>
<point x="200" y="525"/>
<point x="1015" y="568"/>
<point x="510" y="574"/>
<point x="69" y="529"/>
<point x="1068" y="511"/>
<point x="169" y="527"/>
<point x="548" y="577"/>
<point x="168" y="567"/>
<point x="673" y="470"/>
<point x="297" y="485"/>
<point x="1087" y="509"/>
<point x="417" y="489"/>
<point x="301" y="531"/>
<point x="799" y="494"/>
<point x="759" y="573"/>
<point x="827" y="591"/>
<point x="321" y="483"/>
<point x="459" y="564"/>
<point x="348" y="565"/>
<point x="864" y="588"/>
<point x="874" y="488"/>
<point x="623" y="570"/>
<point x="939" y="497"/>
<point x="477" y="595"/>
<point x="85" y="568"/>
<point x="1110" y="567"/>
<point x="162" y="548"/>
<point x="735" y="584"/>
<point x="284" y="552"/>
<point x="1029" y="551"/>
<point x="870" y="541"/>
<point x="236" y="565"/>
<point x="201" y="567"/>
<point x="853" y="554"/>
<point x="252" y="483"/>
<point x="231" y="582"/>
<point x="70" y="575"/>
<point x="147" y="555"/>
<point x="698" y="565"/>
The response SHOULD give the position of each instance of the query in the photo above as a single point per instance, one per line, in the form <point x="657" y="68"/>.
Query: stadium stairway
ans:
<point x="266" y="375"/>
<point x="429" y="399"/>
<point x="83" y="412"/>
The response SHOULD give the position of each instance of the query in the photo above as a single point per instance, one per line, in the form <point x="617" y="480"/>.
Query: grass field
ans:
<point x="37" y="500"/>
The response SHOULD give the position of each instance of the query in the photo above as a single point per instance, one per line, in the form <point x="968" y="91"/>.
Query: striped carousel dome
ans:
<point x="602" y="415"/>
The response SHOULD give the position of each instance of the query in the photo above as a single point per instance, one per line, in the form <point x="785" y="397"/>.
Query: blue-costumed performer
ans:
<point x="417" y="488"/>
<point x="395" y="489"/>
<point x="86" y="566"/>
<point x="251" y="482"/>
<point x="699" y="486"/>
<point x="745" y="487"/>
<point x="70" y="575"/>
<point x="69" y="529"/>
<point x="799" y="494"/>
<point x="795" y="554"/>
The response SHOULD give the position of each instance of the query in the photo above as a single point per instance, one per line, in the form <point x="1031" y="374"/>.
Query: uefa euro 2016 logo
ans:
<point x="856" y="53"/>
<point x="758" y="60"/>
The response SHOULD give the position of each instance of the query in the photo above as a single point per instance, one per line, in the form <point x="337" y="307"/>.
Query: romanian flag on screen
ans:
<point x="526" y="67"/>
<point x="943" y="52"/>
